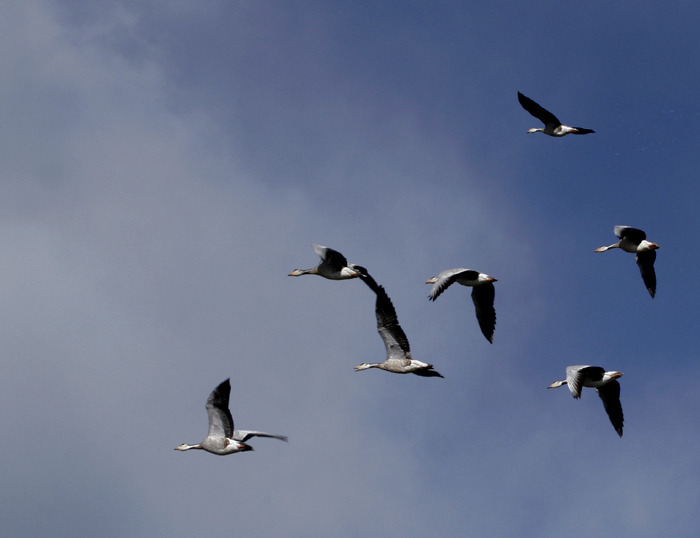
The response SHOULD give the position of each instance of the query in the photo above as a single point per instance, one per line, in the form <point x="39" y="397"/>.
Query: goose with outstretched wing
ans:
<point x="605" y="384"/>
<point x="398" y="352"/>
<point x="222" y="439"/>
<point x="552" y="126"/>
<point x="635" y="241"/>
<point x="483" y="294"/>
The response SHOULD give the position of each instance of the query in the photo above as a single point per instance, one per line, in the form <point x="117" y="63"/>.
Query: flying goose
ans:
<point x="333" y="265"/>
<point x="552" y="126"/>
<point x="483" y="294"/>
<point x="605" y="384"/>
<point x="222" y="439"/>
<point x="398" y="352"/>
<point x="635" y="241"/>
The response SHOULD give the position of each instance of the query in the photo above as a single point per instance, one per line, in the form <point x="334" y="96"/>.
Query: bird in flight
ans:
<point x="635" y="241"/>
<point x="222" y="439"/>
<point x="483" y="294"/>
<point x="606" y="385"/>
<point x="552" y="126"/>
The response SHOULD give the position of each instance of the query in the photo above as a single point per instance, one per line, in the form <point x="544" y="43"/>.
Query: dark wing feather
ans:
<point x="388" y="324"/>
<point x="592" y="373"/>
<point x="334" y="259"/>
<point x="483" y="296"/>
<point x="428" y="372"/>
<point x="610" y="394"/>
<point x="545" y="116"/>
<point x="631" y="234"/>
<point x="220" y="419"/>
<point x="582" y="131"/>
<point x="645" y="260"/>
<point x="367" y="279"/>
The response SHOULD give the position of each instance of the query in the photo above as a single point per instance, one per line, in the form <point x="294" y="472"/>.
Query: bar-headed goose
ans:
<point x="222" y="439"/>
<point x="635" y="241"/>
<point x="552" y="126"/>
<point x="398" y="352"/>
<point x="605" y="384"/>
<point x="483" y="294"/>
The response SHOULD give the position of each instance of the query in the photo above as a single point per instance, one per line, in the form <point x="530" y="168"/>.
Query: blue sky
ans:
<point x="165" y="165"/>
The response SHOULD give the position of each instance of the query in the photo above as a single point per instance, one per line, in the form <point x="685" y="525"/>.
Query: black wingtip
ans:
<point x="428" y="373"/>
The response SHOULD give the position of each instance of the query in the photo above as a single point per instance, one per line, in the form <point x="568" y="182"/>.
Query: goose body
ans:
<point x="552" y="126"/>
<point x="606" y="386"/>
<point x="398" y="352"/>
<point x="635" y="241"/>
<point x="222" y="439"/>
<point x="333" y="265"/>
<point x="483" y="294"/>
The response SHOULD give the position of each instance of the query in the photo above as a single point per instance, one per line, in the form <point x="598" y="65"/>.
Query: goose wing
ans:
<point x="334" y="259"/>
<point x="610" y="394"/>
<point x="545" y="116"/>
<point x="483" y="296"/>
<point x="445" y="279"/>
<point x="388" y="327"/>
<point x="645" y="260"/>
<point x="428" y="372"/>
<point x="244" y="435"/>
<point x="367" y="278"/>
<point x="576" y="376"/>
<point x="220" y="419"/>
<point x="631" y="234"/>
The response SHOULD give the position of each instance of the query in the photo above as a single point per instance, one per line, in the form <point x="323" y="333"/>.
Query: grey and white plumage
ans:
<point x="605" y="384"/>
<point x="398" y="352"/>
<point x="635" y="241"/>
<point x="483" y="294"/>
<point x="333" y="265"/>
<point x="552" y="126"/>
<point x="222" y="439"/>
